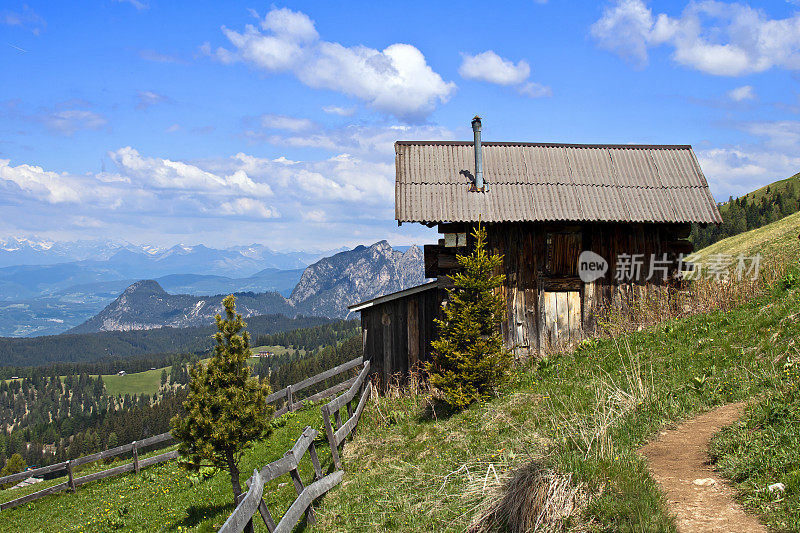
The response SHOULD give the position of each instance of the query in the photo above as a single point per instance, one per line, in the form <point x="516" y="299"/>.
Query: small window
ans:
<point x="563" y="250"/>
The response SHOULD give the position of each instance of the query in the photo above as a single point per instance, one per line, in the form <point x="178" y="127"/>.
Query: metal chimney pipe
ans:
<point x="476" y="129"/>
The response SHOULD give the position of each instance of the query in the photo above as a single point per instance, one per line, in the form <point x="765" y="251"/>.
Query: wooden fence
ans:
<point x="360" y="389"/>
<point x="291" y="404"/>
<point x="68" y="468"/>
<point x="242" y="517"/>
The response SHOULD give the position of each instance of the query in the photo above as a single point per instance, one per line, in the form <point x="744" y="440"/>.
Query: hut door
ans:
<point x="561" y="317"/>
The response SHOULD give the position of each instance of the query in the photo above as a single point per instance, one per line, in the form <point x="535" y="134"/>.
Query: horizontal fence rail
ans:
<point x="242" y="517"/>
<point x="288" y="393"/>
<point x="361" y="388"/>
<point x="68" y="468"/>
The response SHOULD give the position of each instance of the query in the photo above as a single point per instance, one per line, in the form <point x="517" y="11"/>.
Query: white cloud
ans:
<point x="738" y="169"/>
<point x="177" y="175"/>
<point x="741" y="94"/>
<point x="68" y="121"/>
<point x="50" y="186"/>
<point x="247" y="206"/>
<point x="341" y="111"/>
<point x="710" y="36"/>
<point x="150" y="98"/>
<point x="396" y="80"/>
<point x="283" y="122"/>
<point x="490" y="67"/>
<point x="173" y="128"/>
<point x="369" y="142"/>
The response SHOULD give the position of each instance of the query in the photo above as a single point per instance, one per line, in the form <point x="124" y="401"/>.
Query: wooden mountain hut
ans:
<point x="579" y="226"/>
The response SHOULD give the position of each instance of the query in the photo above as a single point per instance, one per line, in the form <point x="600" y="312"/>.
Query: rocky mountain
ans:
<point x="146" y="305"/>
<point x="328" y="286"/>
<point x="325" y="289"/>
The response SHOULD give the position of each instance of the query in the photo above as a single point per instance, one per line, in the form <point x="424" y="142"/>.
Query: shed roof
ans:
<point x="551" y="182"/>
<point x="428" y="285"/>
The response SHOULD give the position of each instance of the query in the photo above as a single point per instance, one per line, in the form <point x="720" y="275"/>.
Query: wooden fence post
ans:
<point x="71" y="479"/>
<point x="289" y="399"/>
<point x="326" y="419"/>
<point x="135" y="458"/>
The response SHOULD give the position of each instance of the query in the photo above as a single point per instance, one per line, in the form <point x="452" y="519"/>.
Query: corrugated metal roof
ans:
<point x="542" y="181"/>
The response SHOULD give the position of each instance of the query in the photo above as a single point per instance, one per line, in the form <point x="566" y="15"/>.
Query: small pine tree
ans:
<point x="225" y="408"/>
<point x="14" y="465"/>
<point x="469" y="361"/>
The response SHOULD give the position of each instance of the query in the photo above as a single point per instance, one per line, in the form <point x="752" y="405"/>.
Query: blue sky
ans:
<point x="229" y="123"/>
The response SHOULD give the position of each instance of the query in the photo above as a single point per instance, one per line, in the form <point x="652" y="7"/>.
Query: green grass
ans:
<point x="277" y="350"/>
<point x="161" y="497"/>
<point x="408" y="470"/>
<point x="776" y="242"/>
<point x="761" y="449"/>
<point x="146" y="382"/>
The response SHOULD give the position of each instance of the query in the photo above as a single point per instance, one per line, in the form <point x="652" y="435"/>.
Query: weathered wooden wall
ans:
<point x="546" y="301"/>
<point x="397" y="334"/>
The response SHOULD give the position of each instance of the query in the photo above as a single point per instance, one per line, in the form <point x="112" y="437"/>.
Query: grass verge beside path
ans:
<point x="761" y="449"/>
<point x="584" y="414"/>
<point x="162" y="497"/>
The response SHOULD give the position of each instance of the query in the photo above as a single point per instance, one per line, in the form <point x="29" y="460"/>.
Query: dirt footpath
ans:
<point x="698" y="497"/>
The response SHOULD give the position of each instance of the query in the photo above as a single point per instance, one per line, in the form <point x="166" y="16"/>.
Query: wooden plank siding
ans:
<point x="398" y="333"/>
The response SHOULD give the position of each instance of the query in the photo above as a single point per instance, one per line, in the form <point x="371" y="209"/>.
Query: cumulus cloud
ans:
<point x="51" y="187"/>
<point x="737" y="169"/>
<point x="743" y="93"/>
<point x="247" y="206"/>
<point x="177" y="175"/>
<point x="396" y="80"/>
<point x="710" y="36"/>
<point x="490" y="67"/>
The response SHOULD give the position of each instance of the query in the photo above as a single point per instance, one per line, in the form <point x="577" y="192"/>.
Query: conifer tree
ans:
<point x="469" y="360"/>
<point x="225" y="408"/>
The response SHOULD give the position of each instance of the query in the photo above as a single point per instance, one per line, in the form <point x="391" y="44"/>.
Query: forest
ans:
<point x="91" y="347"/>
<point x="751" y="211"/>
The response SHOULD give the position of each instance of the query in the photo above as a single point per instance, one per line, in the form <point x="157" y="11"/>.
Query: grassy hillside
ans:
<point x="415" y="467"/>
<point x="776" y="242"/>
<point x="753" y="210"/>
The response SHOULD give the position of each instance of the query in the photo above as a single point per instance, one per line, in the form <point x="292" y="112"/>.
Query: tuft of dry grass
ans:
<point x="533" y="498"/>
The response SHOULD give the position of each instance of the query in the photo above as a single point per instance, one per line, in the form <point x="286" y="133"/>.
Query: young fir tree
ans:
<point x="226" y="409"/>
<point x="469" y="361"/>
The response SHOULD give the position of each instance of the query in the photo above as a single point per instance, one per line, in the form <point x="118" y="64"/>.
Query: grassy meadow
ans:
<point x="777" y="242"/>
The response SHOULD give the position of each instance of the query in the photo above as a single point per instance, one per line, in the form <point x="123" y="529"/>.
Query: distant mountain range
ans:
<point x="145" y="305"/>
<point x="325" y="289"/>
<point x="138" y="261"/>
